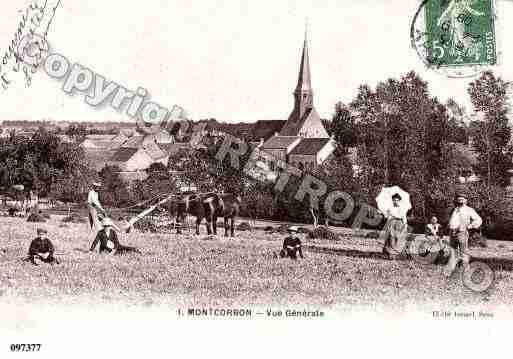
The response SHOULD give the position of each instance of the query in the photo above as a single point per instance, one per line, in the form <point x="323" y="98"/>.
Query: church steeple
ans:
<point x="304" y="83"/>
<point x="304" y="120"/>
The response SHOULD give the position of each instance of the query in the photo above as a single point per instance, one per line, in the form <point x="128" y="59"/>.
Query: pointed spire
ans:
<point x="304" y="81"/>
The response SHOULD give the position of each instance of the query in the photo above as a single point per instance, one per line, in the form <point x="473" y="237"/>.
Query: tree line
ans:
<point x="402" y="136"/>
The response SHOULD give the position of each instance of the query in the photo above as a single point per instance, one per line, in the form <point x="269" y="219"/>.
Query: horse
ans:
<point x="193" y="204"/>
<point x="209" y="206"/>
<point x="226" y="205"/>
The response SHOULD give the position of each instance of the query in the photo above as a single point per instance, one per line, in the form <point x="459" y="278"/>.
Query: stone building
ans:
<point x="302" y="141"/>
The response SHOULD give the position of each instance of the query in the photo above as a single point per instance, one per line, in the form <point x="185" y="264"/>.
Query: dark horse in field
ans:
<point x="208" y="206"/>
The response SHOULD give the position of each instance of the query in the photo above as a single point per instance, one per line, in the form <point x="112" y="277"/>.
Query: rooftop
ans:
<point x="173" y="148"/>
<point x="123" y="154"/>
<point x="309" y="146"/>
<point x="279" y="142"/>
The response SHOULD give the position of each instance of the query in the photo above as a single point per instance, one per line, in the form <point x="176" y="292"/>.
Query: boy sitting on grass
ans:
<point x="41" y="248"/>
<point x="292" y="244"/>
<point x="433" y="231"/>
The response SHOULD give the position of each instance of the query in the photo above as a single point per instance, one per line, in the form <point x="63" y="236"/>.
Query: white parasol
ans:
<point x="384" y="199"/>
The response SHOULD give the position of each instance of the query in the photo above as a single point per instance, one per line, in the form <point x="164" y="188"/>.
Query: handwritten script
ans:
<point x="35" y="20"/>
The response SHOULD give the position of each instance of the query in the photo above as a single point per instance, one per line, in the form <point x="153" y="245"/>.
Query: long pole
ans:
<point x="146" y="212"/>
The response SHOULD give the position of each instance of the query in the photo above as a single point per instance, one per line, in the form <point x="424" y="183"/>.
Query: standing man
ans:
<point x="95" y="207"/>
<point x="463" y="218"/>
<point x="396" y="227"/>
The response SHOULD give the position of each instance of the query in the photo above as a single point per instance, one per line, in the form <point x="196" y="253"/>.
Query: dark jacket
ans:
<point x="40" y="245"/>
<point x="103" y="238"/>
<point x="291" y="248"/>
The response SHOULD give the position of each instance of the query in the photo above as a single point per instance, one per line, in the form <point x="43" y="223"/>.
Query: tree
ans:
<point x="77" y="132"/>
<point x="343" y="127"/>
<point x="402" y="131"/>
<point x="457" y="128"/>
<point x="492" y="135"/>
<point x="115" y="190"/>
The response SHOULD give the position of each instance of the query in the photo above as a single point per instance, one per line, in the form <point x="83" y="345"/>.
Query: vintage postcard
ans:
<point x="233" y="178"/>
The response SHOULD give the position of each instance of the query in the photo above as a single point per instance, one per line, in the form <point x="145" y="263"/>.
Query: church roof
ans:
<point x="309" y="146"/>
<point x="279" y="142"/>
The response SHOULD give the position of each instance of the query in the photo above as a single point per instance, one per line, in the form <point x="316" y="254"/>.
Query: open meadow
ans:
<point x="200" y="271"/>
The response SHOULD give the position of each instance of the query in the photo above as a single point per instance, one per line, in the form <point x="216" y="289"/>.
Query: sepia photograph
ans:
<point x="255" y="178"/>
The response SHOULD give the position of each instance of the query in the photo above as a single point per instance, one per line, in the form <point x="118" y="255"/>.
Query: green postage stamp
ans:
<point x="456" y="34"/>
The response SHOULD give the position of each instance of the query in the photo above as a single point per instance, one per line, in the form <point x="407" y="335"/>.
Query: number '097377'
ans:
<point x="25" y="347"/>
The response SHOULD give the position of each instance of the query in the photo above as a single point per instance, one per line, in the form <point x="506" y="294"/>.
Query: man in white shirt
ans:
<point x="395" y="229"/>
<point x="95" y="207"/>
<point x="462" y="219"/>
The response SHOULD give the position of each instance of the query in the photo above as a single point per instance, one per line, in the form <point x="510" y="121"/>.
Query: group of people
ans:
<point x="462" y="220"/>
<point x="42" y="249"/>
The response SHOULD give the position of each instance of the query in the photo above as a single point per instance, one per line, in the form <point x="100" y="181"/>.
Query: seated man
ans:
<point x="433" y="231"/>
<point x="41" y="248"/>
<point x="108" y="240"/>
<point x="292" y="244"/>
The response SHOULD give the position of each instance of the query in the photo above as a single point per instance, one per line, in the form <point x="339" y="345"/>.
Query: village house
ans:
<point x="279" y="147"/>
<point x="311" y="153"/>
<point x="131" y="159"/>
<point x="98" y="158"/>
<point x="94" y="142"/>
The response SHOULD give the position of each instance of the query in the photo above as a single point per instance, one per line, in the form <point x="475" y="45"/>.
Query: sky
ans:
<point x="236" y="61"/>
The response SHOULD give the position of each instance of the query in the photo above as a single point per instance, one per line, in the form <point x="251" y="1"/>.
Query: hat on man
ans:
<point x="97" y="184"/>
<point x="293" y="229"/>
<point x="460" y="194"/>
<point x="41" y="231"/>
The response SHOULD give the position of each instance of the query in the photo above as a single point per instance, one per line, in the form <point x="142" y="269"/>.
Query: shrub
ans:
<point x="323" y="232"/>
<point x="282" y="228"/>
<point x="36" y="217"/>
<point x="74" y="218"/>
<point x="244" y="226"/>
<point x="305" y="230"/>
<point x="146" y="224"/>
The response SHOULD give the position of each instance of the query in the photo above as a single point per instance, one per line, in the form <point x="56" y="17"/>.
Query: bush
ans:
<point x="323" y="232"/>
<point x="244" y="226"/>
<point x="74" y="218"/>
<point x="36" y="217"/>
<point x="282" y="228"/>
<point x="477" y="240"/>
<point x="305" y="230"/>
<point x="146" y="224"/>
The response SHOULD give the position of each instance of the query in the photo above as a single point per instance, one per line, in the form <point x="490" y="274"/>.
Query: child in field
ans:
<point x="433" y="231"/>
<point x="41" y="248"/>
<point x="292" y="244"/>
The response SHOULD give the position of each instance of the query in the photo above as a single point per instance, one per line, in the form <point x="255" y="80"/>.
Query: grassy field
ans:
<point x="195" y="271"/>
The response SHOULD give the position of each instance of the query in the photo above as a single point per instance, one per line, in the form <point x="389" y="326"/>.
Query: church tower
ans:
<point x="304" y="120"/>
